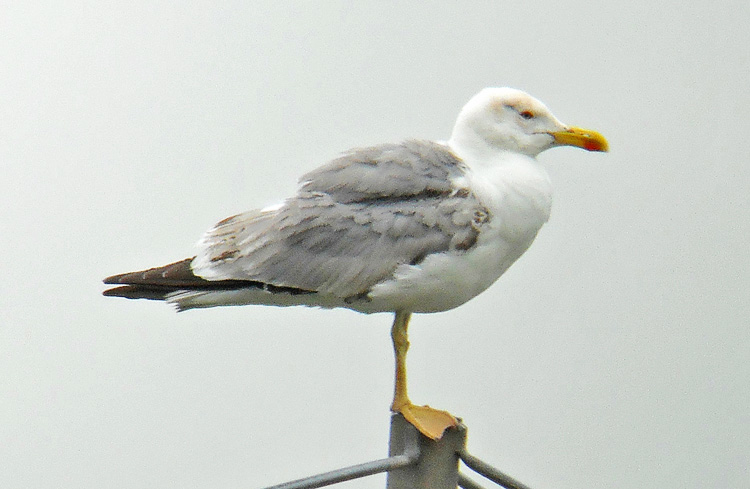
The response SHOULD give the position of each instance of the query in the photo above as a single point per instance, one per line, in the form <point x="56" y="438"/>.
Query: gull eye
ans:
<point x="527" y="114"/>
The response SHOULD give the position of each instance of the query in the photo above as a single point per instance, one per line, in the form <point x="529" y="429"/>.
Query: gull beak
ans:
<point x="582" y="138"/>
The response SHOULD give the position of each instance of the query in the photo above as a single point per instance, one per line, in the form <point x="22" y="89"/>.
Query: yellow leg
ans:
<point x="430" y="422"/>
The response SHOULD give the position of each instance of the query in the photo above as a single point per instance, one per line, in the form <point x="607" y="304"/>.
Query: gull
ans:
<point x="414" y="227"/>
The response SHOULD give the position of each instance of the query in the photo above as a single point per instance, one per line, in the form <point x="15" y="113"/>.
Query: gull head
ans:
<point x="506" y="119"/>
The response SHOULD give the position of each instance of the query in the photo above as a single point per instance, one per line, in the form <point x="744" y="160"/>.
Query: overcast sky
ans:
<point x="614" y="354"/>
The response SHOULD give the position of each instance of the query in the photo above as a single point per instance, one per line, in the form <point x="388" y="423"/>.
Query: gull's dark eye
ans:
<point x="527" y="115"/>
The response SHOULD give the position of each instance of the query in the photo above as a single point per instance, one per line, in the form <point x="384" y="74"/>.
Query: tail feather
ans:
<point x="139" y="292"/>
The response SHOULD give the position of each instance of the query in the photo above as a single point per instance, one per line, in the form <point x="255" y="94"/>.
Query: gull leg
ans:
<point x="430" y="422"/>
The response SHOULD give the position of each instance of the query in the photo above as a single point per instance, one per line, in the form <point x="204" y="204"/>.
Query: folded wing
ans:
<point x="351" y="224"/>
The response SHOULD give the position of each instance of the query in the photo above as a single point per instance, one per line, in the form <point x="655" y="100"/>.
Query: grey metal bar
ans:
<point x="409" y="456"/>
<point x="490" y="472"/>
<point x="416" y="461"/>
<point x="467" y="483"/>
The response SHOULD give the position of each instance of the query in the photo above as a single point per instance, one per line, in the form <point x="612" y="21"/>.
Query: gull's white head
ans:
<point x="506" y="119"/>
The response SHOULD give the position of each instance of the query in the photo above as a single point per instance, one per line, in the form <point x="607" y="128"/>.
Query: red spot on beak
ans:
<point x="593" y="146"/>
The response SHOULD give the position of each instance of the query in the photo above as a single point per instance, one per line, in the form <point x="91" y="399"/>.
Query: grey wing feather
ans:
<point x="349" y="227"/>
<point x="409" y="169"/>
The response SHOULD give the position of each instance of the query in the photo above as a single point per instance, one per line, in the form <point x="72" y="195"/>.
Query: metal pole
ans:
<point x="437" y="467"/>
<point x="490" y="472"/>
<point x="408" y="456"/>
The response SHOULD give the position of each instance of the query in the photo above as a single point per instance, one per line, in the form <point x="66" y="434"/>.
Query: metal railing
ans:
<point x="416" y="461"/>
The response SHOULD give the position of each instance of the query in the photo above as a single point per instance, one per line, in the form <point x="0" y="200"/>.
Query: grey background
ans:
<point x="613" y="354"/>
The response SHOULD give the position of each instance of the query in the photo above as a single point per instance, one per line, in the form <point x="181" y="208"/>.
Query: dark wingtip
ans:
<point x="112" y="292"/>
<point x="114" y="279"/>
<point x="154" y="283"/>
<point x="157" y="283"/>
<point x="174" y="274"/>
<point x="137" y="292"/>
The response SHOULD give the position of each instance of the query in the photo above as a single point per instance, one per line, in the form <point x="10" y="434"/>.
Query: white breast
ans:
<point x="517" y="193"/>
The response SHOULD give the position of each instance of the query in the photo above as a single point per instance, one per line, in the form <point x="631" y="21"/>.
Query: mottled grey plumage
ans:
<point x="352" y="223"/>
<point x="390" y="171"/>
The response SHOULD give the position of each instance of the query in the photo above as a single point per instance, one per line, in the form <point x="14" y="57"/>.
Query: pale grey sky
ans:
<point x="613" y="354"/>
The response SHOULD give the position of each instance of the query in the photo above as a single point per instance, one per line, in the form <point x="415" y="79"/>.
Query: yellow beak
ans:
<point x="582" y="138"/>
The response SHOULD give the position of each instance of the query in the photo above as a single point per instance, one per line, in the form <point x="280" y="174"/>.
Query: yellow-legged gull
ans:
<point x="406" y="228"/>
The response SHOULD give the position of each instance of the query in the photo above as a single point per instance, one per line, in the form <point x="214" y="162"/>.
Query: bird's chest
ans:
<point x="518" y="199"/>
<point x="517" y="202"/>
